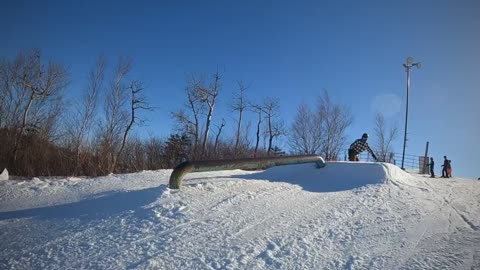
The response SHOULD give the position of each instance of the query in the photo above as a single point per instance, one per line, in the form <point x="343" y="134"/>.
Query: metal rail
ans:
<point x="182" y="169"/>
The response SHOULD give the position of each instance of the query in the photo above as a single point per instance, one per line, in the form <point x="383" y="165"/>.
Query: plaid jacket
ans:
<point x="359" y="146"/>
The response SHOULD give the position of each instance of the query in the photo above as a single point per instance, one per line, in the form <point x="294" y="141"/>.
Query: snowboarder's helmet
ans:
<point x="365" y="136"/>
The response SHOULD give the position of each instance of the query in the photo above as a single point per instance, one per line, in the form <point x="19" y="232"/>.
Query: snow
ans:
<point x="344" y="216"/>
<point x="4" y="175"/>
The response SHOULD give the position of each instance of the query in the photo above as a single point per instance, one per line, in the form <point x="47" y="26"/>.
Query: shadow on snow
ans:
<point x="101" y="206"/>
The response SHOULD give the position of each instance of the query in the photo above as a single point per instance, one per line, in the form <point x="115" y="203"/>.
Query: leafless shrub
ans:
<point x="336" y="118"/>
<point x="306" y="131"/>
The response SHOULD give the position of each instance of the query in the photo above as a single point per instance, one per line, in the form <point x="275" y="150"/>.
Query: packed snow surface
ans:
<point x="4" y="175"/>
<point x="344" y="216"/>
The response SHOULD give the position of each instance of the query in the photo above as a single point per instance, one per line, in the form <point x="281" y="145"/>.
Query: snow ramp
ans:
<point x="335" y="176"/>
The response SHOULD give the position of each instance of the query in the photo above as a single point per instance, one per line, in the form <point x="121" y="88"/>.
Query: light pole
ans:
<point x="407" y="66"/>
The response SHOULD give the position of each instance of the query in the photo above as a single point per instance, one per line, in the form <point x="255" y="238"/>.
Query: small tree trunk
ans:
<point x="18" y="138"/>
<point x="218" y="137"/>
<point x="258" y="133"/>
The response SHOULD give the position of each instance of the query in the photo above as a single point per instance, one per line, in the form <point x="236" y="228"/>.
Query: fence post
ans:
<point x="426" y="161"/>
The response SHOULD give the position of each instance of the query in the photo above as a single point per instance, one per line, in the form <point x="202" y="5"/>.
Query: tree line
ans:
<point x="41" y="135"/>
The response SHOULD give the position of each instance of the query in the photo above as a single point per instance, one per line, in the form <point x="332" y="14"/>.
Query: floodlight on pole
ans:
<point x="407" y="66"/>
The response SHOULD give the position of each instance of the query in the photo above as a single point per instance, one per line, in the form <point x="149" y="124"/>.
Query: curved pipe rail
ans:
<point x="183" y="168"/>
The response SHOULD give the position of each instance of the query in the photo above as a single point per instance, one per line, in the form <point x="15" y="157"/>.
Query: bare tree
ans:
<point x="189" y="121"/>
<point x="86" y="111"/>
<point x="239" y="105"/>
<point x="306" y="131"/>
<point x="257" y="109"/>
<point x="37" y="85"/>
<point x="336" y="119"/>
<point x="116" y="115"/>
<point x="201" y="99"/>
<point x="137" y="102"/>
<point x="5" y="91"/>
<point x="209" y="97"/>
<point x="217" y="138"/>
<point x="31" y="103"/>
<point x="384" y="138"/>
<point x="14" y="93"/>
<point x="275" y="126"/>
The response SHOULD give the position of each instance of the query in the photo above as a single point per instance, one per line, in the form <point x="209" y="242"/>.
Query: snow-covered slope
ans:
<point x="344" y="216"/>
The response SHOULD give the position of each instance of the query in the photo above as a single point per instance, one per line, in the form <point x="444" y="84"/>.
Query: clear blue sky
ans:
<point x="288" y="49"/>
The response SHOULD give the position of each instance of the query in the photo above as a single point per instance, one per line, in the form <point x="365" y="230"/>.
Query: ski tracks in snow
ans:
<point x="225" y="223"/>
<point x="443" y="237"/>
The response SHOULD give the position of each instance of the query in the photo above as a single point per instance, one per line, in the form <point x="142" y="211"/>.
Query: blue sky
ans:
<point x="292" y="50"/>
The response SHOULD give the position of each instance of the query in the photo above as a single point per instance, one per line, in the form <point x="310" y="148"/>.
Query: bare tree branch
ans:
<point x="275" y="126"/>
<point x="336" y="119"/>
<point x="137" y="102"/>
<point x="239" y="105"/>
<point x="306" y="131"/>
<point x="209" y="96"/>
<point x="384" y="139"/>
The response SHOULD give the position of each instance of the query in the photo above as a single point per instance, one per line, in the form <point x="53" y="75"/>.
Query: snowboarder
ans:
<point x="445" y="167"/>
<point x="359" y="146"/>
<point x="431" y="164"/>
